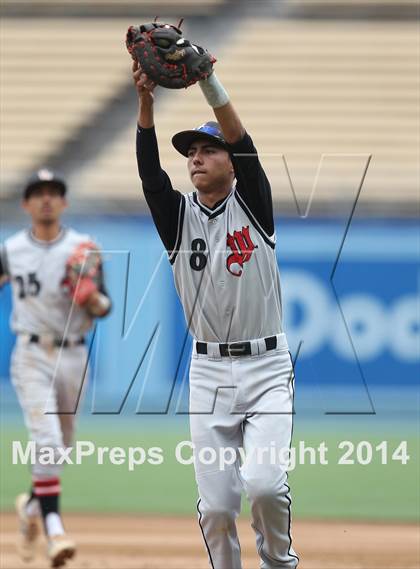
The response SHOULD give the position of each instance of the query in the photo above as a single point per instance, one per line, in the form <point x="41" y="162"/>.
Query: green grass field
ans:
<point x="374" y="491"/>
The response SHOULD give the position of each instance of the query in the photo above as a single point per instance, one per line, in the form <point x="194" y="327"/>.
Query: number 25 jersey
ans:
<point x="36" y="269"/>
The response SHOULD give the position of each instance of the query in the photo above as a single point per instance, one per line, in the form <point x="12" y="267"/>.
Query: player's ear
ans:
<point x="24" y="205"/>
<point x="231" y="170"/>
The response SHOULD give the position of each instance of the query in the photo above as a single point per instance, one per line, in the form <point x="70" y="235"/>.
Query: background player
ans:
<point x="50" y="358"/>
<point x="220" y="239"/>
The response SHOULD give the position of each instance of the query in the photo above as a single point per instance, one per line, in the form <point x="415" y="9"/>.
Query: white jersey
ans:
<point x="223" y="262"/>
<point x="223" y="258"/>
<point x="36" y="269"/>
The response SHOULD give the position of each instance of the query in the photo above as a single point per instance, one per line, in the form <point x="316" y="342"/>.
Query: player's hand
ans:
<point x="143" y="84"/>
<point x="97" y="304"/>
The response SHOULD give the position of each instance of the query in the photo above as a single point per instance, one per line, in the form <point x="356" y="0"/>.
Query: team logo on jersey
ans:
<point x="242" y="247"/>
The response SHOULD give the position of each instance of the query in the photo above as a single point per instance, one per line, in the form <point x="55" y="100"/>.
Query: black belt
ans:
<point x="237" y="348"/>
<point x="58" y="342"/>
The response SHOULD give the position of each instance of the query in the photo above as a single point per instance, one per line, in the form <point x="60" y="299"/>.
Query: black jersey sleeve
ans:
<point x="165" y="203"/>
<point x="3" y="262"/>
<point x="252" y="184"/>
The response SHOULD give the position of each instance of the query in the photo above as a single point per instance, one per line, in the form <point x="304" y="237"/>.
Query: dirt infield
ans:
<point x="124" y="542"/>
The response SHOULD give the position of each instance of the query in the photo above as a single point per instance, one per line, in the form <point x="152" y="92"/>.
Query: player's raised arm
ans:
<point x="164" y="202"/>
<point x="145" y="88"/>
<point x="226" y="115"/>
<point x="252" y="184"/>
<point x="4" y="277"/>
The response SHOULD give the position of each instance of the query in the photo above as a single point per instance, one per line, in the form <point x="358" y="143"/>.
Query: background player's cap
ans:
<point x="209" y="130"/>
<point x="44" y="176"/>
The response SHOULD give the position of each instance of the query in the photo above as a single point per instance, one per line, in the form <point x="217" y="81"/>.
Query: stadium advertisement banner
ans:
<point x="350" y="304"/>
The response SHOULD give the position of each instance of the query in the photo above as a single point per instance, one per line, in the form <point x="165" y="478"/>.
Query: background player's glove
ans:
<point x="83" y="272"/>
<point x="167" y="58"/>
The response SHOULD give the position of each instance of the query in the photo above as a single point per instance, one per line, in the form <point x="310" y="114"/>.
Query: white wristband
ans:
<point x="214" y="91"/>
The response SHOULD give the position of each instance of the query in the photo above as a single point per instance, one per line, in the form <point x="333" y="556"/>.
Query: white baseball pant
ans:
<point x="49" y="382"/>
<point x="253" y="409"/>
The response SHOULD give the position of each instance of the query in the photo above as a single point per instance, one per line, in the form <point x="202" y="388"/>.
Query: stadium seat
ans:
<point x="50" y="90"/>
<point x="343" y="89"/>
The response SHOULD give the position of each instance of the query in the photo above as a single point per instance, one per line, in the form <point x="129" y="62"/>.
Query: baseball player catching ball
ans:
<point x="57" y="286"/>
<point x="220" y="240"/>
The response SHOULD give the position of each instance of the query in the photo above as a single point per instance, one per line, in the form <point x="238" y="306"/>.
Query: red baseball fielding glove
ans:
<point x="83" y="272"/>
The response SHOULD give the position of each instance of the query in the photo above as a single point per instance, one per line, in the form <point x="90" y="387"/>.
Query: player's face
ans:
<point x="45" y="204"/>
<point x="209" y="166"/>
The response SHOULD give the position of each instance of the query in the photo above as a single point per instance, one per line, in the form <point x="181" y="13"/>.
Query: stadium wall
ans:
<point x="352" y="321"/>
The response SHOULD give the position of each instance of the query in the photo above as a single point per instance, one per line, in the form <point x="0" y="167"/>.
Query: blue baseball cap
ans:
<point x="210" y="131"/>
<point x="44" y="176"/>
